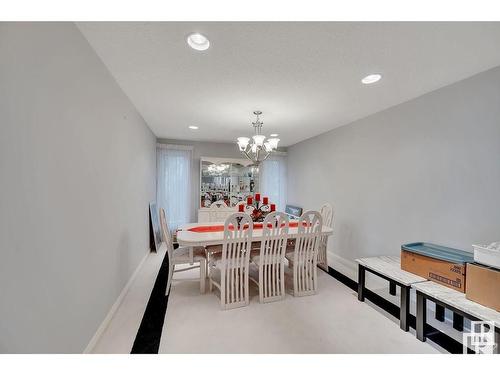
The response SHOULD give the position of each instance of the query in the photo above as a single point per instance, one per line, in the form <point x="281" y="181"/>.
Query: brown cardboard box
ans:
<point x="448" y="274"/>
<point x="483" y="285"/>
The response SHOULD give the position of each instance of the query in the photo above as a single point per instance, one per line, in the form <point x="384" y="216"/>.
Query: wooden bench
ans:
<point x="389" y="268"/>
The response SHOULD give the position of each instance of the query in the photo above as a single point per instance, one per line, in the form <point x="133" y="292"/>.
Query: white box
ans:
<point x="486" y="256"/>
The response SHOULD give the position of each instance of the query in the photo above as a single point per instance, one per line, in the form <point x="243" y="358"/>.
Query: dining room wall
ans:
<point x="425" y="170"/>
<point x="78" y="169"/>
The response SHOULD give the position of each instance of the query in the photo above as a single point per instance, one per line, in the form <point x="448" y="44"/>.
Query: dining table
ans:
<point x="206" y="234"/>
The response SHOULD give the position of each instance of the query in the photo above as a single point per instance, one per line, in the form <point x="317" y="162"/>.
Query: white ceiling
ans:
<point x="305" y="77"/>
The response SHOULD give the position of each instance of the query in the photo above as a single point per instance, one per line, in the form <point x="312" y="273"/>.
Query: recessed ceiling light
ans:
<point x="274" y="135"/>
<point x="198" y="42"/>
<point x="192" y="127"/>
<point x="372" y="78"/>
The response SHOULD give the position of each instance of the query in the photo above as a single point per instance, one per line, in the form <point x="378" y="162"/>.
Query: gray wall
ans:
<point x="77" y="167"/>
<point x="425" y="170"/>
<point x="200" y="149"/>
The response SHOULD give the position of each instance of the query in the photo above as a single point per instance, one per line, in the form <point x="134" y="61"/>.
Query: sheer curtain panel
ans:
<point x="173" y="182"/>
<point x="273" y="179"/>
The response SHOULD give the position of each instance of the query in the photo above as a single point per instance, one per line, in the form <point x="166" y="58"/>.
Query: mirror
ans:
<point x="227" y="180"/>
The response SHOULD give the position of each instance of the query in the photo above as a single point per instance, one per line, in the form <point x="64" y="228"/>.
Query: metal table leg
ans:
<point x="421" y="315"/>
<point x="361" y="283"/>
<point x="439" y="313"/>
<point x="404" y="314"/>
<point x="392" y="288"/>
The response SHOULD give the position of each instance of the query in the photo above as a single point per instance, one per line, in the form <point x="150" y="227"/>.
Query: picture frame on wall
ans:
<point x="154" y="227"/>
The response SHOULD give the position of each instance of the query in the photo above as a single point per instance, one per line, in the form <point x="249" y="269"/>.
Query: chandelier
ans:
<point x="257" y="149"/>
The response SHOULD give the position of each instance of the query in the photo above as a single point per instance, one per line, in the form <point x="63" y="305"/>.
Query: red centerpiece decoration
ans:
<point x="259" y="208"/>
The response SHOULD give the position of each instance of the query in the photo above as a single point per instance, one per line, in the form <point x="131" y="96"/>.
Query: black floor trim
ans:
<point x="147" y="340"/>
<point x="433" y="334"/>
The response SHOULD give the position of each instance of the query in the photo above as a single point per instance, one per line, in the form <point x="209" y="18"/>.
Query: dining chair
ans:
<point x="228" y="270"/>
<point x="182" y="255"/>
<point x="327" y="215"/>
<point x="267" y="268"/>
<point x="303" y="272"/>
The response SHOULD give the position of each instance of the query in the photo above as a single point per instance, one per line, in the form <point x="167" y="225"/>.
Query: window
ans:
<point x="173" y="183"/>
<point x="273" y="179"/>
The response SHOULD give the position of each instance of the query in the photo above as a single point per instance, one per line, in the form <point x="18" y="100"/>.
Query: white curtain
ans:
<point x="173" y="183"/>
<point x="273" y="179"/>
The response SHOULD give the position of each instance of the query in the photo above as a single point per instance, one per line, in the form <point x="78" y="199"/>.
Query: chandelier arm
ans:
<point x="267" y="155"/>
<point x="247" y="156"/>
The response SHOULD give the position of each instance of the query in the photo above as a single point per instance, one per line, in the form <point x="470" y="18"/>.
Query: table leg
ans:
<point x="361" y="283"/>
<point x="404" y="314"/>
<point x="439" y="313"/>
<point x="392" y="288"/>
<point x="421" y="315"/>
<point x="458" y="322"/>
<point x="497" y="341"/>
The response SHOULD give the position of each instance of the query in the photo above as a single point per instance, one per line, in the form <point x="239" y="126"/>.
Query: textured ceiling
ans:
<point x="305" y="77"/>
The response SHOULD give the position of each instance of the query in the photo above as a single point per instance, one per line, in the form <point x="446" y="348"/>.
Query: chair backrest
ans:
<point x="309" y="231"/>
<point x="167" y="239"/>
<point x="275" y="232"/>
<point x="238" y="229"/>
<point x="272" y="257"/>
<point x="305" y="254"/>
<point x="235" y="260"/>
<point x="327" y="214"/>
<point x="165" y="232"/>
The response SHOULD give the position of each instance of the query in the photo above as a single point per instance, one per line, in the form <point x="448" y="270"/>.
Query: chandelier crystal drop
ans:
<point x="257" y="149"/>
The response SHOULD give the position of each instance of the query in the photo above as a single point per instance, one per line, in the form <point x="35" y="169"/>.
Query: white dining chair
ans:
<point x="326" y="212"/>
<point x="267" y="267"/>
<point x="303" y="272"/>
<point x="182" y="256"/>
<point x="228" y="270"/>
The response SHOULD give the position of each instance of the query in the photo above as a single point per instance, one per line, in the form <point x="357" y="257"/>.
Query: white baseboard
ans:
<point x="114" y="308"/>
<point x="349" y="268"/>
<point x="345" y="266"/>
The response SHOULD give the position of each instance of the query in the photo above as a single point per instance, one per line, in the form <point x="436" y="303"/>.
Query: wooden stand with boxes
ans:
<point x="443" y="265"/>
<point x="483" y="285"/>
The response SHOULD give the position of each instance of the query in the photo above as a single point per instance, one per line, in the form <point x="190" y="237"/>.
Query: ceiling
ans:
<point x="305" y="77"/>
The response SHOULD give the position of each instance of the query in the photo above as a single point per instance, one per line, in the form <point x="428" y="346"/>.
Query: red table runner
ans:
<point x="220" y="228"/>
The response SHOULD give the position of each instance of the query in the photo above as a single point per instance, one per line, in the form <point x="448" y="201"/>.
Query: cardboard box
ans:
<point x="442" y="272"/>
<point x="483" y="285"/>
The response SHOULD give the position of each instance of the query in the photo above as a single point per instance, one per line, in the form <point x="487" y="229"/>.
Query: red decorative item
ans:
<point x="241" y="208"/>
<point x="257" y="197"/>
<point x="249" y="200"/>
<point x="220" y="228"/>
<point x="257" y="215"/>
<point x="265" y="200"/>
<point x="273" y="207"/>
